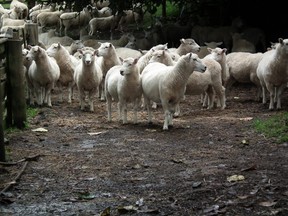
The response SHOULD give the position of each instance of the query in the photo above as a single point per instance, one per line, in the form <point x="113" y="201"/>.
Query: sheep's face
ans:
<point x="88" y="57"/>
<point x="53" y="49"/>
<point x="128" y="66"/>
<point x="283" y="44"/>
<point x="195" y="62"/>
<point x="190" y="45"/>
<point x="217" y="54"/>
<point x="161" y="56"/>
<point x="104" y="49"/>
<point x="34" y="52"/>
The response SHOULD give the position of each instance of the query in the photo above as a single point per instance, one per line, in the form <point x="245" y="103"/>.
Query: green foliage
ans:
<point x="31" y="113"/>
<point x="275" y="126"/>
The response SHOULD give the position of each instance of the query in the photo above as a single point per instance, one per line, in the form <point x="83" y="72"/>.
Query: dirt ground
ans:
<point x="87" y="166"/>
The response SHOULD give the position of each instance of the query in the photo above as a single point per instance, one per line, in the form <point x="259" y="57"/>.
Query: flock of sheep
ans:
<point x="159" y="74"/>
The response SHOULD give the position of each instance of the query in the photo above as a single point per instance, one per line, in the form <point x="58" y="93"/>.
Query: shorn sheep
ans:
<point x="107" y="59"/>
<point x="43" y="73"/>
<point x="122" y="83"/>
<point x="88" y="76"/>
<point x="272" y="72"/>
<point x="67" y="64"/>
<point x="166" y="84"/>
<point x="71" y="20"/>
<point x="242" y="68"/>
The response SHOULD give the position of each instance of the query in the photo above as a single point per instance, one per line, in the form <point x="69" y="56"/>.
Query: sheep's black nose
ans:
<point x="122" y="72"/>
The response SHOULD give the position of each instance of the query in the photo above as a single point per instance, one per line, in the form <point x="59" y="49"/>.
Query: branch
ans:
<point x="31" y="158"/>
<point x="16" y="178"/>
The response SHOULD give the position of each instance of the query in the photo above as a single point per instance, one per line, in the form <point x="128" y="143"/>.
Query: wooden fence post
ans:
<point x="2" y="144"/>
<point x="16" y="82"/>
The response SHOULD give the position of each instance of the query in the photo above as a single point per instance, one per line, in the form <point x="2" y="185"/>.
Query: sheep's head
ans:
<point x="34" y="52"/>
<point x="217" y="54"/>
<point x="194" y="62"/>
<point x="104" y="49"/>
<point x="53" y="49"/>
<point x="88" y="56"/>
<point x="129" y="65"/>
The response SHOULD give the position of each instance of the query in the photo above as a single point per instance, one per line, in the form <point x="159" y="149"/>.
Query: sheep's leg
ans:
<point x="124" y="112"/>
<point x="61" y="92"/>
<point x="102" y="87"/>
<point x="264" y="99"/>
<point x="211" y="94"/>
<point x="177" y="110"/>
<point x="135" y="110"/>
<point x="82" y="99"/>
<point x="278" y="93"/>
<point x="90" y="100"/>
<point x="166" y="119"/>
<point x="109" y="103"/>
<point x="148" y="104"/>
<point x="70" y="92"/>
<point x="38" y="92"/>
<point x="271" y="90"/>
<point x="220" y="92"/>
<point x="154" y="105"/>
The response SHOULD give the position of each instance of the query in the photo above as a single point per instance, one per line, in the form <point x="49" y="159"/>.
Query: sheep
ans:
<point x="242" y="45"/>
<point x="121" y="42"/>
<point x="103" y="24"/>
<point x="88" y="76"/>
<point x="203" y="49"/>
<point x="242" y="68"/>
<point x="43" y="73"/>
<point x="26" y="63"/>
<point x="22" y="9"/>
<point x="102" y="3"/>
<point x="186" y="45"/>
<point x="166" y="84"/>
<point x="6" y="21"/>
<point x="144" y="43"/>
<point x="64" y="40"/>
<point x="39" y="7"/>
<point x="107" y="59"/>
<point x="49" y="19"/>
<point x="74" y="19"/>
<point x="125" y="52"/>
<point x="75" y="46"/>
<point x="67" y="65"/>
<point x="144" y="60"/>
<point x="207" y="82"/>
<point x="272" y="72"/>
<point x="162" y="56"/>
<point x="103" y="12"/>
<point x="122" y="83"/>
<point x="129" y="17"/>
<point x="33" y="15"/>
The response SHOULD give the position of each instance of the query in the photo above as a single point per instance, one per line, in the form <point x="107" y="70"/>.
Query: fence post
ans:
<point x="2" y="144"/>
<point x="16" y="82"/>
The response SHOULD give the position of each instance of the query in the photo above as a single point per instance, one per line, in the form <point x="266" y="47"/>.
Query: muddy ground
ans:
<point x="87" y="166"/>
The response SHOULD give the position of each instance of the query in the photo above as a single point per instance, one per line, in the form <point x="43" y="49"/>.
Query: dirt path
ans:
<point x="88" y="165"/>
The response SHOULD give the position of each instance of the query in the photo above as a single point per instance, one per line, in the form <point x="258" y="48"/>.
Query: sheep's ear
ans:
<point x="280" y="40"/>
<point x="110" y="45"/>
<point x="121" y="59"/>
<point x="80" y="51"/>
<point x="224" y="50"/>
<point x="166" y="45"/>
<point x="135" y="61"/>
<point x="29" y="46"/>
<point x="58" y="44"/>
<point x="219" y="43"/>
<point x="209" y="49"/>
<point x="182" y="40"/>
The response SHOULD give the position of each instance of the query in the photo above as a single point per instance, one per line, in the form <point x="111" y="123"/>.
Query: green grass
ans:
<point x="275" y="126"/>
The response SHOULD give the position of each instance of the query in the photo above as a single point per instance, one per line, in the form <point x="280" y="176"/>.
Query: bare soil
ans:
<point x="87" y="166"/>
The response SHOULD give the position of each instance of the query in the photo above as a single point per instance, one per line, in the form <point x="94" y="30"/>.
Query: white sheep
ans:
<point x="240" y="44"/>
<point x="97" y="24"/>
<point x="107" y="59"/>
<point x="272" y="72"/>
<point x="125" y="52"/>
<point x="162" y="56"/>
<point x="242" y="68"/>
<point x="43" y="73"/>
<point x="121" y="42"/>
<point x="7" y="21"/>
<point x="122" y="83"/>
<point x="203" y="49"/>
<point x="144" y="60"/>
<point x="103" y="12"/>
<point x="129" y="17"/>
<point x="166" y="84"/>
<point x="75" y="19"/>
<point x="33" y="15"/>
<point x="88" y="76"/>
<point x="186" y="45"/>
<point x="208" y="82"/>
<point x="49" y="19"/>
<point x="22" y="9"/>
<point x="67" y="64"/>
<point x="75" y="46"/>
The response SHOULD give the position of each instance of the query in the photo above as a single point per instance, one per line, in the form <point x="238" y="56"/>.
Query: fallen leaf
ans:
<point x="235" y="178"/>
<point x="126" y="209"/>
<point x="196" y="184"/>
<point x="96" y="133"/>
<point x="267" y="203"/>
<point x="40" y="130"/>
